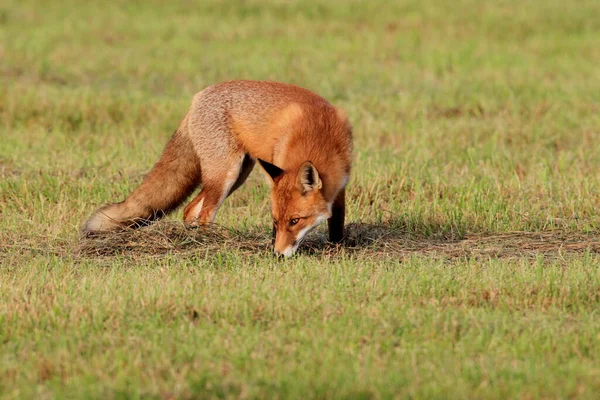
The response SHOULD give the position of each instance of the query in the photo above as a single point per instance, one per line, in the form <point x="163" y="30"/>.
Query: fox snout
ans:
<point x="289" y="251"/>
<point x="285" y="248"/>
<point x="285" y="243"/>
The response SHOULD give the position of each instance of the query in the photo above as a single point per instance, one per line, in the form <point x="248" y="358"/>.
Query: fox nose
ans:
<point x="277" y="254"/>
<point x="287" y="252"/>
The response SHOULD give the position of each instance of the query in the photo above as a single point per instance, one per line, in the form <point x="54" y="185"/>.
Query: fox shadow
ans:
<point x="396" y="234"/>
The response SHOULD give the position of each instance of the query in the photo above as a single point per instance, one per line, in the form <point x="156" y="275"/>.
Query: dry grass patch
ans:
<point x="383" y="240"/>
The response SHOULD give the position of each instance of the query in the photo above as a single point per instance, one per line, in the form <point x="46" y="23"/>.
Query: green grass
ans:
<point x="471" y="266"/>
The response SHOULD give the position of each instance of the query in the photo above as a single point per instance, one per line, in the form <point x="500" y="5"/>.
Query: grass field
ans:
<point x="471" y="266"/>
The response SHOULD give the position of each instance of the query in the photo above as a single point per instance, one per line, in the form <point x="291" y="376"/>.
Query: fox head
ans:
<point x="298" y="205"/>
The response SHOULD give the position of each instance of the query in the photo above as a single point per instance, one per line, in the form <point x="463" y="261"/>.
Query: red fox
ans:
<point x="303" y="143"/>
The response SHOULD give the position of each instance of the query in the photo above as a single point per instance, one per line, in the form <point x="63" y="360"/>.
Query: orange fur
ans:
<point x="228" y="127"/>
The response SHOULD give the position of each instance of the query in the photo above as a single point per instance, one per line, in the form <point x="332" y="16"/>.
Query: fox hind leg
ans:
<point x="218" y="182"/>
<point x="247" y="166"/>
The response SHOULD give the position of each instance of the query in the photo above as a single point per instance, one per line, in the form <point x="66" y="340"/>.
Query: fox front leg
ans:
<point x="336" y="221"/>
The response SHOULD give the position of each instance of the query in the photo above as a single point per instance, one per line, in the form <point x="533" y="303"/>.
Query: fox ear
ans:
<point x="273" y="170"/>
<point x="308" y="178"/>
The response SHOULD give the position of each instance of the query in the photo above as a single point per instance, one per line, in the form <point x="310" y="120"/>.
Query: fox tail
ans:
<point x="172" y="179"/>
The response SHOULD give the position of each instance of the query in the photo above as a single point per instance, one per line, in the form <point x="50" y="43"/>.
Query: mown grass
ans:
<point x="470" y="269"/>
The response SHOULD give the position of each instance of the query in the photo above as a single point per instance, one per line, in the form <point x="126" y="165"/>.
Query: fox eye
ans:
<point x="294" y="221"/>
